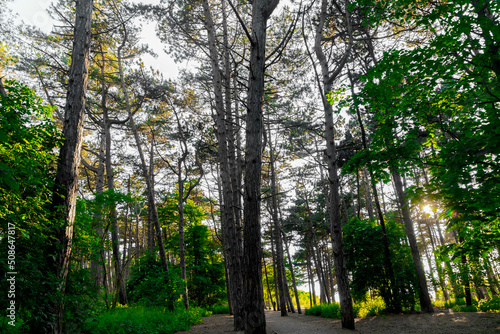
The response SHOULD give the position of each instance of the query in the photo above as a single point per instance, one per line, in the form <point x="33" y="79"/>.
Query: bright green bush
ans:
<point x="361" y="310"/>
<point x="144" y="320"/>
<point x="370" y="308"/>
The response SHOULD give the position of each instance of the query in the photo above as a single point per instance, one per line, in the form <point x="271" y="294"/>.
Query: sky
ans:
<point x="34" y="12"/>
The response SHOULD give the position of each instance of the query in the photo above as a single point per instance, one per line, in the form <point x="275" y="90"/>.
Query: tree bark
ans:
<point x="232" y="234"/>
<point x="255" y="322"/>
<point x="66" y="183"/>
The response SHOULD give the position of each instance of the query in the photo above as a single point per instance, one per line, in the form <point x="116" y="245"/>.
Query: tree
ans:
<point x="441" y="103"/>
<point x="65" y="191"/>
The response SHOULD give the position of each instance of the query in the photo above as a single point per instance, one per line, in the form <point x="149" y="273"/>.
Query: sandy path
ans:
<point x="445" y="322"/>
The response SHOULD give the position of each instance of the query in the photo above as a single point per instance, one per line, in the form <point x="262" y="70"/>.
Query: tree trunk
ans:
<point x="293" y="279"/>
<point x="255" y="322"/>
<point x="66" y="183"/>
<point x="346" y="308"/>
<point x="122" y="295"/>
<point x="277" y="232"/>
<point x="425" y="300"/>
<point x="232" y="234"/>
<point x="182" y="255"/>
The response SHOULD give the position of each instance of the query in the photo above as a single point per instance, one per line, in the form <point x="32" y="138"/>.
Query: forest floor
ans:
<point x="443" y="321"/>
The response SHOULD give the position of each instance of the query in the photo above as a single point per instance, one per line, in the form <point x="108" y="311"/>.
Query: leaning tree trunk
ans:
<point x="66" y="183"/>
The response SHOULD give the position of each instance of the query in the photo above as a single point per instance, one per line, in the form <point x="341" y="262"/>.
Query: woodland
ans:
<point x="333" y="157"/>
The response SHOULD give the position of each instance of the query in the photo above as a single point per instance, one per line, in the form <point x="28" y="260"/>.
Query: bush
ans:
<point x="220" y="309"/>
<point x="148" y="285"/>
<point x="325" y="310"/>
<point x="490" y="305"/>
<point x="144" y="320"/>
<point x="370" y="308"/>
<point x="361" y="310"/>
<point x="453" y="302"/>
<point x="464" y="308"/>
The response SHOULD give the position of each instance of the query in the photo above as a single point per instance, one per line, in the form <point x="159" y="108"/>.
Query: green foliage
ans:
<point x="490" y="305"/>
<point x="144" y="320"/>
<point x="363" y="309"/>
<point x="364" y="254"/>
<point x="464" y="308"/>
<point x="204" y="266"/>
<point x="81" y="299"/>
<point x="370" y="307"/>
<point x="220" y="309"/>
<point x="436" y="105"/>
<point x="28" y="139"/>
<point x="149" y="285"/>
<point x="325" y="310"/>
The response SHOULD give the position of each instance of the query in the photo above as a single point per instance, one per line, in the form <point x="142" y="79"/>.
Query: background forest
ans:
<point x="349" y="148"/>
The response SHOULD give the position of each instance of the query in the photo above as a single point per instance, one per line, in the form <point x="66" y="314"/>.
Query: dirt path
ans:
<point x="443" y="322"/>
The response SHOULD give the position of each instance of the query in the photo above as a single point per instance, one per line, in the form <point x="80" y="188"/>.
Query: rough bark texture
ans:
<point x="66" y="185"/>
<point x="232" y="235"/>
<point x="255" y="322"/>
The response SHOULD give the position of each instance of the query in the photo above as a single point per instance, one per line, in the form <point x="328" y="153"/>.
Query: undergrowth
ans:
<point x="144" y="320"/>
<point x="220" y="309"/>
<point x="364" y="309"/>
<point x="377" y="306"/>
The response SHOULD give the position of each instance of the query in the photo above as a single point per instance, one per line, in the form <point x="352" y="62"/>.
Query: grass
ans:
<point x="144" y="320"/>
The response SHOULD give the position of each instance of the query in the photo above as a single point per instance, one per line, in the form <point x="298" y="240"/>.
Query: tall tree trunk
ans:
<point x="439" y="268"/>
<point x="425" y="300"/>
<point x="255" y="322"/>
<point x="96" y="266"/>
<point x="346" y="308"/>
<point x="232" y="233"/>
<point x="277" y="232"/>
<point x="66" y="183"/>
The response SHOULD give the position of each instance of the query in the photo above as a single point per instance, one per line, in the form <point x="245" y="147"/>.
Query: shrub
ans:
<point x="220" y="309"/>
<point x="490" y="305"/>
<point x="364" y="309"/>
<point x="370" y="308"/>
<point x="464" y="308"/>
<point x="144" y="320"/>
<point x="148" y="285"/>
